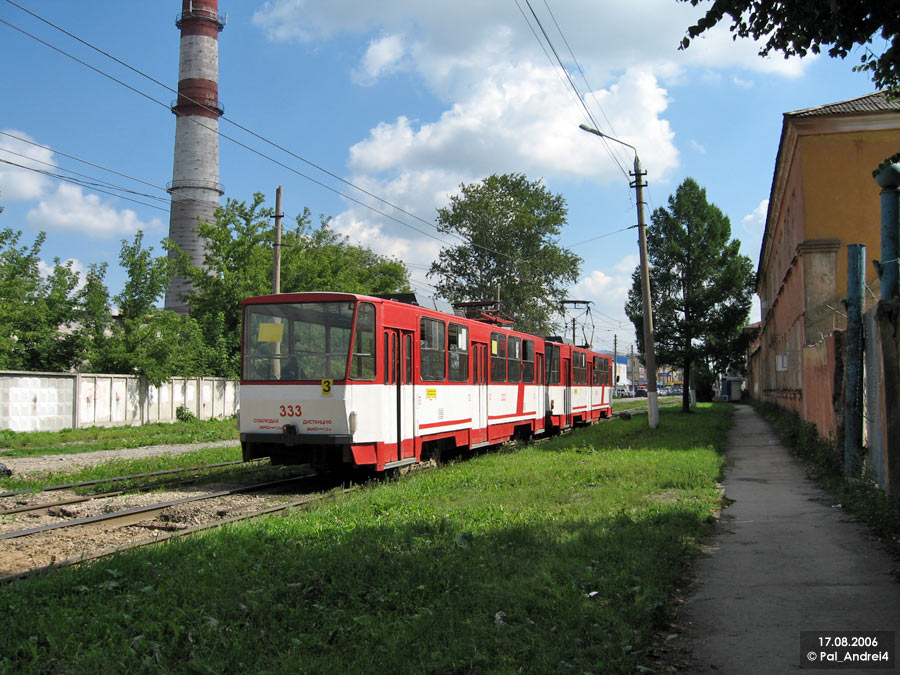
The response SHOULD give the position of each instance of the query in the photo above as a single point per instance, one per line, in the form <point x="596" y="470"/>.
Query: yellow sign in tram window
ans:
<point x="270" y="332"/>
<point x="326" y="387"/>
<point x="431" y="393"/>
<point x="494" y="347"/>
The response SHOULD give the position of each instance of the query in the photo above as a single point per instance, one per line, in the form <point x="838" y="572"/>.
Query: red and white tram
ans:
<point x="338" y="378"/>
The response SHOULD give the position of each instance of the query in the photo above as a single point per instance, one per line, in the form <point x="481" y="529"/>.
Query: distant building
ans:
<point x="823" y="198"/>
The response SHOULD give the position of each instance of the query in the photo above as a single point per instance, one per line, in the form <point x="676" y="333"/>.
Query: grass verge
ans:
<point x="34" y="443"/>
<point x="554" y="558"/>
<point x="825" y="463"/>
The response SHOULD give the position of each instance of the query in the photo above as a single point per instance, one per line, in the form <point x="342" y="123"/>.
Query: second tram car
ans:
<point x="338" y="378"/>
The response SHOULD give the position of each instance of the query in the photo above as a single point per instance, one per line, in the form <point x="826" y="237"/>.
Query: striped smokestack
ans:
<point x="195" y="185"/>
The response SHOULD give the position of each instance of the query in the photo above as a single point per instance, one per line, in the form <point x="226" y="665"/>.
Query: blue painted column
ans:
<point x="888" y="177"/>
<point x="853" y="392"/>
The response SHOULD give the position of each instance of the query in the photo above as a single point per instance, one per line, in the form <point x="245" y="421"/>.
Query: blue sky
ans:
<point x="407" y="99"/>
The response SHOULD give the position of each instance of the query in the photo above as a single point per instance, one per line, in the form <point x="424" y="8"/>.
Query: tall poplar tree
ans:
<point x="701" y="285"/>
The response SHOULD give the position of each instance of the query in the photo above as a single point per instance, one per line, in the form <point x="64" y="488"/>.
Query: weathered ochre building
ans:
<point x="823" y="198"/>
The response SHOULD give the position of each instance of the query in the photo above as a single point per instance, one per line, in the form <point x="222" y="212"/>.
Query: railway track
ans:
<point x="100" y="481"/>
<point x="126" y="528"/>
<point x="23" y="507"/>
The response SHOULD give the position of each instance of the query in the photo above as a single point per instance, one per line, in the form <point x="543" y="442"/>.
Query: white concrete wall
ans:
<point x="53" y="401"/>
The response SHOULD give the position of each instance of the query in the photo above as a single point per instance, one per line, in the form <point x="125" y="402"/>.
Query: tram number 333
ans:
<point x="291" y="411"/>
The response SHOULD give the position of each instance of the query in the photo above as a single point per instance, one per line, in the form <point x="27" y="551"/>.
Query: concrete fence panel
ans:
<point x="54" y="401"/>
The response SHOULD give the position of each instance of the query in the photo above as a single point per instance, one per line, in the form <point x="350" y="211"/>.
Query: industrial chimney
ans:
<point x="195" y="185"/>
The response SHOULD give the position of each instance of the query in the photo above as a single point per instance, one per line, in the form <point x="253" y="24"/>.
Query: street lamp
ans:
<point x="649" y="346"/>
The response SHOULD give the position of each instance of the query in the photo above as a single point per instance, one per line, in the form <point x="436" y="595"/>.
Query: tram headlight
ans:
<point x="352" y="422"/>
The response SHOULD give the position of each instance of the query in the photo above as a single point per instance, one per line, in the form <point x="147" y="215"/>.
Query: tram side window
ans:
<point x="579" y="370"/>
<point x="363" y="364"/>
<point x="514" y="353"/>
<point x="552" y="364"/>
<point x="596" y="374"/>
<point x="432" y="346"/>
<point x="498" y="357"/>
<point x="528" y="361"/>
<point x="458" y="352"/>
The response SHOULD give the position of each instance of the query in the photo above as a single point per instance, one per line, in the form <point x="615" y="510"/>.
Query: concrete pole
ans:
<point x="853" y="393"/>
<point x="888" y="177"/>
<point x="276" y="268"/>
<point x="649" y="345"/>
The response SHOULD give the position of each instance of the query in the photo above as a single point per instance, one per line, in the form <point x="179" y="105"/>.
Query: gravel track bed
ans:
<point x="24" y="553"/>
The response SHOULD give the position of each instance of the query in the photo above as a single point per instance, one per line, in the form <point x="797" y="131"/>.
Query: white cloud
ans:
<point x="382" y="57"/>
<point x="20" y="183"/>
<point x="606" y="36"/>
<point x="69" y="209"/>
<point x="742" y="83"/>
<point x="697" y="146"/>
<point x="505" y="107"/>
<point x="755" y="221"/>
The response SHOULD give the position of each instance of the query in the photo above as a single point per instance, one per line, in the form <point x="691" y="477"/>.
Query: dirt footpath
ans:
<point x="786" y="559"/>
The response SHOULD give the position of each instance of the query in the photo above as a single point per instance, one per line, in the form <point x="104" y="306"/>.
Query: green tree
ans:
<point x="38" y="329"/>
<point x="798" y="27"/>
<point x="19" y="287"/>
<point x="238" y="264"/>
<point x="153" y="343"/>
<point x="701" y="285"/>
<point x="510" y="227"/>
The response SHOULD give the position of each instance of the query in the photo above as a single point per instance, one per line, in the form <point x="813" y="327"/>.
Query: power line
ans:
<point x="587" y="85"/>
<point x="572" y="84"/>
<point x="602" y="236"/>
<point x="249" y="131"/>
<point x="252" y="133"/>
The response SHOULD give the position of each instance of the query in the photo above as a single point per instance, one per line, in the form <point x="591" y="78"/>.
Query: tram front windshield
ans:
<point x="304" y="340"/>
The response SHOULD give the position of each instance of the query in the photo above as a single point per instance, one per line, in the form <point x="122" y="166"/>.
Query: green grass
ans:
<point x="559" y="557"/>
<point x="34" y="443"/>
<point x="123" y="467"/>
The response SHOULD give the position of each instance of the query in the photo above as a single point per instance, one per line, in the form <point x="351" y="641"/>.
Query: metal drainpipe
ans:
<point x="888" y="177"/>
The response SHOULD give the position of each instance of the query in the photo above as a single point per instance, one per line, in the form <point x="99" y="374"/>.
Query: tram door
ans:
<point x="566" y="372"/>
<point x="479" y="393"/>
<point x="399" y="376"/>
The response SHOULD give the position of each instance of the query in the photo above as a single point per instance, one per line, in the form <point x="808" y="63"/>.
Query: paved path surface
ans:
<point x="786" y="558"/>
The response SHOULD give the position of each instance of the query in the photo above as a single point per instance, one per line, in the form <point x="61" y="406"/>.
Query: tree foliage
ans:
<point x="239" y="262"/>
<point x="510" y="227"/>
<point x="701" y="285"/>
<point x="38" y="329"/>
<point x="798" y="27"/>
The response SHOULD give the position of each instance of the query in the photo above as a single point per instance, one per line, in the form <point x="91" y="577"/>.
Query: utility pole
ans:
<point x="615" y="376"/>
<point x="276" y="271"/>
<point x="631" y="364"/>
<point x="649" y="344"/>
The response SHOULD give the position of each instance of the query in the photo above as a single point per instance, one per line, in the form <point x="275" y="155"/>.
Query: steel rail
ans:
<point x="164" y="472"/>
<point x="136" y="514"/>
